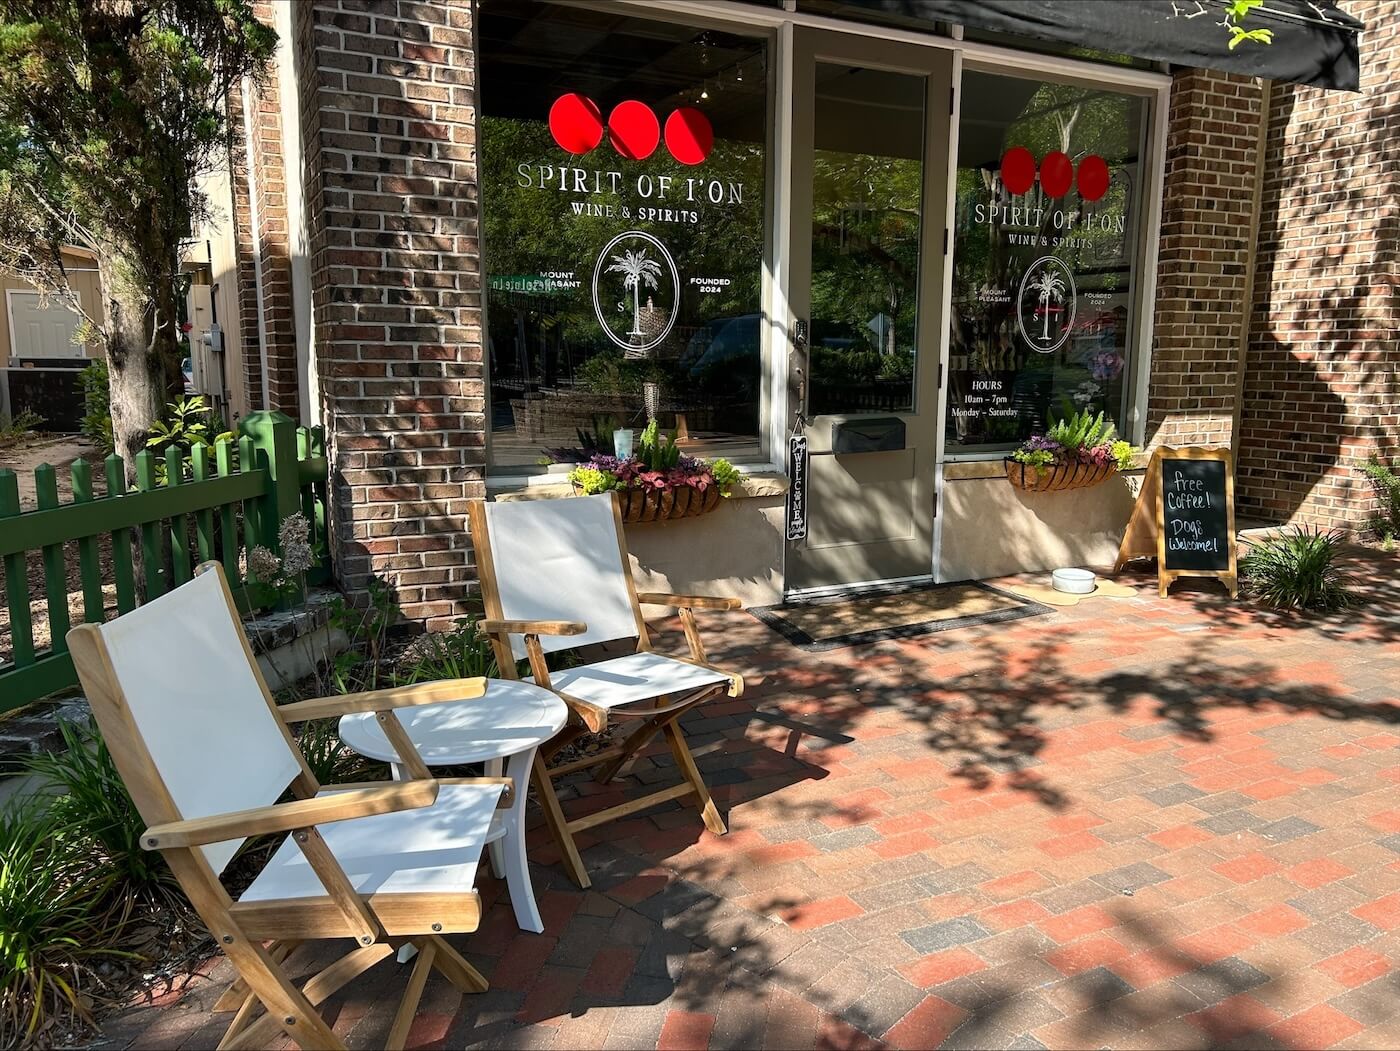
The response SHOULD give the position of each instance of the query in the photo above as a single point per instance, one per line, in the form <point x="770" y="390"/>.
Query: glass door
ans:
<point x="869" y="201"/>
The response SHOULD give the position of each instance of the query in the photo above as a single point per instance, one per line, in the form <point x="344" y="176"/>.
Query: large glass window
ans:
<point x="1046" y="229"/>
<point x="622" y="169"/>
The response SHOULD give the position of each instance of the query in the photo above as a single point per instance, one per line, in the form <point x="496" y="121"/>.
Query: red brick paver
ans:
<point x="1131" y="823"/>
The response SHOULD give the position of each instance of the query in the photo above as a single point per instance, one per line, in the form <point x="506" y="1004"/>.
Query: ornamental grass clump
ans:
<point x="657" y="466"/>
<point x="1298" y="571"/>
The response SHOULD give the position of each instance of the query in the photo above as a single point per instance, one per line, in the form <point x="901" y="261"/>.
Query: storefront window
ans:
<point x="623" y="166"/>
<point x="1046" y="228"/>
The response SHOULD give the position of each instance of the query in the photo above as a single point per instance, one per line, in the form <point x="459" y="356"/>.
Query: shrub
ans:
<point x="1297" y="571"/>
<point x="97" y="405"/>
<point x="1386" y="482"/>
<point x="52" y="924"/>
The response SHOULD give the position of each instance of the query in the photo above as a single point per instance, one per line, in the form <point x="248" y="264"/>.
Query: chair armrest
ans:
<point x="530" y="627"/>
<point x="507" y="783"/>
<point x="658" y="598"/>
<point x="299" y="813"/>
<point x="383" y="700"/>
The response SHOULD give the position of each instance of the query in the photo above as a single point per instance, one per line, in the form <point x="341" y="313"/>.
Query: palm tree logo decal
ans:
<point x="637" y="270"/>
<point x="1046" y="305"/>
<point x="1051" y="289"/>
<point x="649" y="273"/>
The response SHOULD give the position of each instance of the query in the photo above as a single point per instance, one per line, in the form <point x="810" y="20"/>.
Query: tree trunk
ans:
<point x="143" y="357"/>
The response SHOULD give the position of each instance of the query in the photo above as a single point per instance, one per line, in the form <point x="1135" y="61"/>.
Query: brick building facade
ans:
<point x="1274" y="320"/>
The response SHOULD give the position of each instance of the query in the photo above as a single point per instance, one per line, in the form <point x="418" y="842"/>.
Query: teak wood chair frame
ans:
<point x="258" y="936"/>
<point x="661" y="717"/>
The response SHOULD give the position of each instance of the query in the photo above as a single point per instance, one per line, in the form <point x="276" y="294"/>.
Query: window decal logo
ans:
<point x="576" y="123"/>
<point x="636" y="291"/>
<point x="1046" y="305"/>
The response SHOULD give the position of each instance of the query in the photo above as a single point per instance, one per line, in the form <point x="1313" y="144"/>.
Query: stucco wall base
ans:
<point x="735" y="550"/>
<point x="993" y="529"/>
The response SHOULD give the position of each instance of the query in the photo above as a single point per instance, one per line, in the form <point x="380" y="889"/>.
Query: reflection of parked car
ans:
<point x="722" y="357"/>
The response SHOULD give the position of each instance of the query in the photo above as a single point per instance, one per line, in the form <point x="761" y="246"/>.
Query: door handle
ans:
<point x="799" y="346"/>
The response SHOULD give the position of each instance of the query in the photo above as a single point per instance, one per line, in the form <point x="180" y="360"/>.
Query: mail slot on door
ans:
<point x="885" y="434"/>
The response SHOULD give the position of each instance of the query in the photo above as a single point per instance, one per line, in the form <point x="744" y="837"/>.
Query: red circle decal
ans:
<point x="689" y="135"/>
<point x="1056" y="174"/>
<point x="1017" y="170"/>
<point x="576" y="122"/>
<point x="634" y="130"/>
<point x="1092" y="178"/>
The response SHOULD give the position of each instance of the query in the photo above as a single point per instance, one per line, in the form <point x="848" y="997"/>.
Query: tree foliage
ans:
<point x="110" y="111"/>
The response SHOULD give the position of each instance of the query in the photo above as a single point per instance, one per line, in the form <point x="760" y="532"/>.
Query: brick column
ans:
<point x="1202" y="293"/>
<point x="389" y="129"/>
<point x="1322" y="391"/>
<point x="259" y="187"/>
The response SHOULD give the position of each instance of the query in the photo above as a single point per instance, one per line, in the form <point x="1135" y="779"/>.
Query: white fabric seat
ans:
<point x="635" y="677"/>
<point x="433" y="849"/>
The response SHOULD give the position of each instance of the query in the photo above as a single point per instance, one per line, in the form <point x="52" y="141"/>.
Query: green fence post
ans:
<point x="274" y="438"/>
<point x="16" y="581"/>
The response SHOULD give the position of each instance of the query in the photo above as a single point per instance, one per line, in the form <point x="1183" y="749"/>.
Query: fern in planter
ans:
<point x="1297" y="571"/>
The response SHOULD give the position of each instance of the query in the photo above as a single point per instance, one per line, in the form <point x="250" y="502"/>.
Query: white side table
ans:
<point x="508" y="724"/>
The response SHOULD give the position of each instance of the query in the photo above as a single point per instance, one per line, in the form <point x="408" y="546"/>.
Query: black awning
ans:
<point x="1314" y="42"/>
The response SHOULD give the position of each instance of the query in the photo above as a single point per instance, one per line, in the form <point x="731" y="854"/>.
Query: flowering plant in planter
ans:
<point x="1078" y="450"/>
<point x="658" y="481"/>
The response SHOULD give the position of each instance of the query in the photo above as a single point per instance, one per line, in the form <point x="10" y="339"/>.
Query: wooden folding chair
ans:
<point x="555" y="576"/>
<point x="206" y="753"/>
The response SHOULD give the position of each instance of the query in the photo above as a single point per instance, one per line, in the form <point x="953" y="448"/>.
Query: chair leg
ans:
<point x="236" y="994"/>
<point x="293" y="1013"/>
<point x="708" y="812"/>
<point x="631" y="745"/>
<point x="558" y="826"/>
<point x="408" y="1006"/>
<point x="455" y="969"/>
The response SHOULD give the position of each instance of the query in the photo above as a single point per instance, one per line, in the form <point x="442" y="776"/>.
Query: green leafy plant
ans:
<point x="1297" y="571"/>
<point x="91" y="801"/>
<point x="457" y="654"/>
<point x="52" y="923"/>
<point x="593" y="480"/>
<point x="657" y="451"/>
<point x="1385" y="480"/>
<point x="187" y="424"/>
<point x="15" y="428"/>
<point x="1079" y="430"/>
<point x="727" y="476"/>
<point x="1234" y="12"/>
<point x="330" y="760"/>
<point x="97" y="405"/>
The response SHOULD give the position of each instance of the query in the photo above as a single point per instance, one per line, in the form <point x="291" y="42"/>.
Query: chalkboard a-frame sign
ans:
<point x="1185" y="516"/>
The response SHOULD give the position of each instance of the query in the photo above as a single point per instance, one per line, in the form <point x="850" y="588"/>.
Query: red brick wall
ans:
<point x="1321" y="390"/>
<point x="389" y="135"/>
<point x="249" y="338"/>
<point x="1212" y="154"/>
<point x="267" y="256"/>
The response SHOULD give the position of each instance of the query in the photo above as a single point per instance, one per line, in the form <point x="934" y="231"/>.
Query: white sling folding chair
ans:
<point x="206" y="753"/>
<point x="555" y="576"/>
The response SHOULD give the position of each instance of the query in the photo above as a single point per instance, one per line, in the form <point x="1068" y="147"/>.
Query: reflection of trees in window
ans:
<point x="1092" y="239"/>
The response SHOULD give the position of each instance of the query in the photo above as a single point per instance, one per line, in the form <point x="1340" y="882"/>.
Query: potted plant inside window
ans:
<point x="1078" y="451"/>
<point x="657" y="482"/>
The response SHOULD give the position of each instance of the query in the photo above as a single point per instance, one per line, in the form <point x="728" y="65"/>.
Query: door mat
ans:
<point x="1051" y="597"/>
<point x="902" y="613"/>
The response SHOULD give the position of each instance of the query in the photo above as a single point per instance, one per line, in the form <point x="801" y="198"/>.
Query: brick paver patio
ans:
<point x="1134" y="823"/>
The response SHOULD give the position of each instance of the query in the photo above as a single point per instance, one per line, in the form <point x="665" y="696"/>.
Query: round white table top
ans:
<point x="509" y="718"/>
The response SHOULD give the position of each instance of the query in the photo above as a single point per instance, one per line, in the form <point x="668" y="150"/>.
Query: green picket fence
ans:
<point x="235" y="497"/>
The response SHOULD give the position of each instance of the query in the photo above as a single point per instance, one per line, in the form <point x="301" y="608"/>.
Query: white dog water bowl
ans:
<point x="1074" y="581"/>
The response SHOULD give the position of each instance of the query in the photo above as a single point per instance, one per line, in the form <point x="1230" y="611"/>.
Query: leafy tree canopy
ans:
<point x="110" y="111"/>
